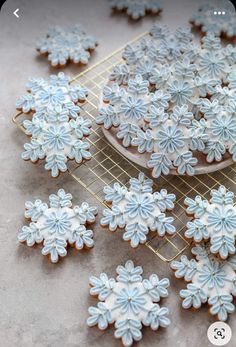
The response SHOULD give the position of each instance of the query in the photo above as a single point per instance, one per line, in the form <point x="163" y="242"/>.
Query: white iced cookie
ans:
<point x="136" y="9"/>
<point x="220" y="20"/>
<point x="58" y="225"/>
<point x="139" y="210"/>
<point x="64" y="44"/>
<point x="212" y="281"/>
<point x="128" y="302"/>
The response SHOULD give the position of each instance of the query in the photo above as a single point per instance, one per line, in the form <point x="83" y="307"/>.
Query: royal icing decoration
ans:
<point x="139" y="210"/>
<point x="67" y="44"/>
<point x="136" y="8"/>
<point x="173" y="98"/>
<point x="128" y="302"/>
<point x="58" y="225"/>
<point x="214" y="220"/>
<point x="57" y="132"/>
<point x="217" y="20"/>
<point x="211" y="280"/>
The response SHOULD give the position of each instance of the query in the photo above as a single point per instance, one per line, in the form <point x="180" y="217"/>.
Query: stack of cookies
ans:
<point x="212" y="275"/>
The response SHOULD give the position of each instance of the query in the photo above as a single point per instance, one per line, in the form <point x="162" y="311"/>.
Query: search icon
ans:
<point x="219" y="333"/>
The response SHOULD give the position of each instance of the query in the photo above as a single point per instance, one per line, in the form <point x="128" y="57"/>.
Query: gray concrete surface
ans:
<point x="45" y="305"/>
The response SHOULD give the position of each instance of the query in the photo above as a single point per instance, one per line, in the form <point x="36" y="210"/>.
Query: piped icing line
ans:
<point x="57" y="132"/>
<point x="128" y="302"/>
<point x="208" y="19"/>
<point x="211" y="281"/>
<point x="136" y="9"/>
<point x="138" y="210"/>
<point x="214" y="220"/>
<point x="64" y="44"/>
<point x="58" y="225"/>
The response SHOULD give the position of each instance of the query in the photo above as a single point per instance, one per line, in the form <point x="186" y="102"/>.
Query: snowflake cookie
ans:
<point x="139" y="210"/>
<point x="214" y="220"/>
<point x="58" y="225"/>
<point x="212" y="281"/>
<point x="208" y="19"/>
<point x="67" y="44"/>
<point x="129" y="301"/>
<point x="57" y="133"/>
<point x="136" y="8"/>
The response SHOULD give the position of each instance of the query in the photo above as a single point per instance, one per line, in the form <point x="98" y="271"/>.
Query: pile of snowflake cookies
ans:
<point x="138" y="210"/>
<point x="212" y="275"/>
<point x="57" y="131"/>
<point x="128" y="302"/>
<point x="214" y="220"/>
<point x="209" y="20"/>
<point x="174" y="100"/>
<point x="136" y="9"/>
<point x="58" y="225"/>
<point x="62" y="45"/>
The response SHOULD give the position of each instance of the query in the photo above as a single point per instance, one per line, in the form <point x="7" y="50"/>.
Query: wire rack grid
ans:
<point x="107" y="165"/>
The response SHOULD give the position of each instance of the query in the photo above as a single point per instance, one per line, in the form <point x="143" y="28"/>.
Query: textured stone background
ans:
<point x="44" y="304"/>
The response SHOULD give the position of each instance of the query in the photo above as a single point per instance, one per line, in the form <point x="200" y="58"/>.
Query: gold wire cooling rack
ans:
<point x="108" y="165"/>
